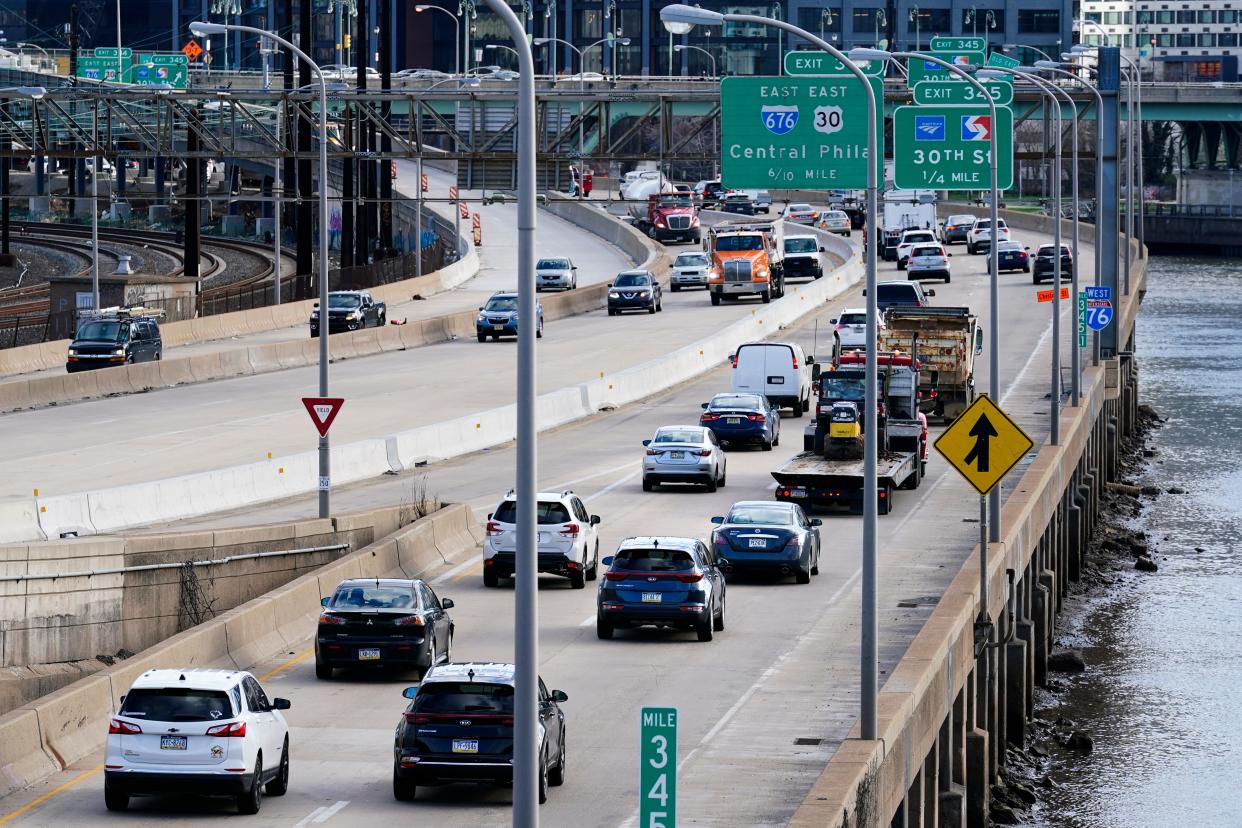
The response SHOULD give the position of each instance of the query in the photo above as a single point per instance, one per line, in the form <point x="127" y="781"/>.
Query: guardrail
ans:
<point x="121" y="570"/>
<point x="1193" y="210"/>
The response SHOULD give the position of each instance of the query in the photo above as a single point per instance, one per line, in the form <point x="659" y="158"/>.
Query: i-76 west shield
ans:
<point x="808" y="133"/>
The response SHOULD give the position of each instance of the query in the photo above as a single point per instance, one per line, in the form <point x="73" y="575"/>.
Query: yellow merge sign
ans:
<point x="983" y="444"/>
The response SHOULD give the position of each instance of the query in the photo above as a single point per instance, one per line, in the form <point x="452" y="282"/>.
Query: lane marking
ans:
<point x="614" y="485"/>
<point x="306" y="819"/>
<point x="322" y="814"/>
<point x="590" y="619"/>
<point x="57" y="791"/>
<point x="298" y="659"/>
<point x="452" y="574"/>
<point x="475" y="569"/>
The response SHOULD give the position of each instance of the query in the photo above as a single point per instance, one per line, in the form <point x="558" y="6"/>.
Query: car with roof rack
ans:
<point x="115" y="336"/>
<point x="568" y="540"/>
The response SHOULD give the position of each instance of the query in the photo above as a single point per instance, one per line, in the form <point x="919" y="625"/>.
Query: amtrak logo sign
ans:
<point x="779" y="120"/>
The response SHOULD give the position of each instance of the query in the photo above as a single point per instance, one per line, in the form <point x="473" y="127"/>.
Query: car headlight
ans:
<point x="119" y="352"/>
<point x="481" y="318"/>
<point x="614" y="295"/>
<point x="763" y="274"/>
<point x="73" y="352"/>
<point x="350" y="316"/>
<point x="314" y="314"/>
<point x="643" y="292"/>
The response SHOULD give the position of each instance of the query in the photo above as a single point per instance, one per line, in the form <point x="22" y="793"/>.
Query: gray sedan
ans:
<point x="555" y="272"/>
<point x="767" y="537"/>
<point x="683" y="454"/>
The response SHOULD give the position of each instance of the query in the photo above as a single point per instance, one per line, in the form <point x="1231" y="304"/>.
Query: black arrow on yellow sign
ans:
<point x="982" y="431"/>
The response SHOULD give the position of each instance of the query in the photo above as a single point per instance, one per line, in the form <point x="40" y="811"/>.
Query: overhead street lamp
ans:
<point x="916" y="19"/>
<point x="422" y="7"/>
<point x="202" y="29"/>
<point x="491" y="46"/>
<point x="690" y="16"/>
<point x="1011" y="47"/>
<point x="624" y="41"/>
<point x="680" y="48"/>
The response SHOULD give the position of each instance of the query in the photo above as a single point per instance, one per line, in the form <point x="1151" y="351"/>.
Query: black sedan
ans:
<point x="1046" y="262"/>
<point x="635" y="290"/>
<point x="383" y="622"/>
<point x="743" y="419"/>
<point x="762" y="536"/>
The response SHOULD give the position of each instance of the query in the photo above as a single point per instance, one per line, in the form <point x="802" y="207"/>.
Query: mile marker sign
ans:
<point x="323" y="411"/>
<point x="983" y="444"/>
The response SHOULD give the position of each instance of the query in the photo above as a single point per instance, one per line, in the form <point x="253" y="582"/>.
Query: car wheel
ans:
<point x="767" y="446"/>
<point x="612" y="312"/>
<point x="674" y="288"/>
<point x="539" y="331"/>
<point x="381" y="321"/>
<point x="248" y="803"/>
<point x="482" y="337"/>
<point x="603" y="630"/>
<point x="724" y="478"/>
<point x="648" y="485"/>
<point x="815" y="566"/>
<point x="577" y="579"/>
<point x="718" y="622"/>
<point x="490" y="578"/>
<point x="660" y="305"/>
<point x="776" y="441"/>
<point x="402" y="789"/>
<point x="705" y="630"/>
<point x="114" y="800"/>
<point x="802" y="577"/>
<point x="556" y="776"/>
<point x="766" y="296"/>
<point x="715" y="298"/>
<point x="947" y="279"/>
<point x="593" y="572"/>
<point x="322" y="671"/>
<point x="799" y="407"/>
<point x="711" y="484"/>
<point x="1026" y="269"/>
<point x="653" y="307"/>
<point x="543" y="779"/>
<point x="1036" y="280"/>
<point x="280" y="785"/>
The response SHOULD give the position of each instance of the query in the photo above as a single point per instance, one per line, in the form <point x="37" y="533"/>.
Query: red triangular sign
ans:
<point x="323" y="411"/>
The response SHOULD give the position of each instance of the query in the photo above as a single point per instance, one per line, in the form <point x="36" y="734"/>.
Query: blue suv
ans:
<point x="499" y="317"/>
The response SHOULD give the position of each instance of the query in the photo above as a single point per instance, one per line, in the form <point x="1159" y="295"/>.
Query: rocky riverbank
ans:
<point x="1118" y="553"/>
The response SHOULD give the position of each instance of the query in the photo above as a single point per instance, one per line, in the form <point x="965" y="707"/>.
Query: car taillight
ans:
<point x="692" y="578"/>
<point x="704" y="453"/>
<point x="230" y="729"/>
<point x="840" y="325"/>
<point x="718" y="538"/>
<point x="795" y="542"/>
<point x="124" y="728"/>
<point x="617" y="576"/>
<point x="409" y="621"/>
<point x="707" y="418"/>
<point x="418" y="718"/>
<point x="795" y="360"/>
<point x="733" y="361"/>
<point x="331" y="620"/>
<point x="493" y="528"/>
<point x="756" y="418"/>
<point x="652" y="452"/>
<point x="569" y="530"/>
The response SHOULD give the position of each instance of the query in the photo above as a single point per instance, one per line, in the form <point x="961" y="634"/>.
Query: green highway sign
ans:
<point x="924" y="70"/>
<point x="937" y="93"/>
<point x="1082" y="319"/>
<point x="1003" y="61"/>
<point x="806" y="133"/>
<point x="110" y="52"/>
<point x="958" y="44"/>
<point x="177" y="59"/>
<point x="97" y="68"/>
<point x="145" y="74"/>
<point x="822" y="63"/>
<point x="947" y="147"/>
<point x="657" y="776"/>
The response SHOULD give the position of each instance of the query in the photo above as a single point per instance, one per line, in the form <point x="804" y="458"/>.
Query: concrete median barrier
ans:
<point x="250" y="631"/>
<point x="19" y="520"/>
<point x="63" y="514"/>
<point x="417" y="550"/>
<point x="23" y="761"/>
<point x="73" y="721"/>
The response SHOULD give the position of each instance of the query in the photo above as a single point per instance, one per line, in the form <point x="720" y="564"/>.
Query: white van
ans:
<point x="780" y="371"/>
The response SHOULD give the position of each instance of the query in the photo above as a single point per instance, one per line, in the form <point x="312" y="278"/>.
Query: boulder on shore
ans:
<point x="1066" y="661"/>
<point x="1145" y="564"/>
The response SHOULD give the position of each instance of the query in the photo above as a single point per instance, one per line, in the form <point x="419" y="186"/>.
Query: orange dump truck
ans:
<point x="746" y="261"/>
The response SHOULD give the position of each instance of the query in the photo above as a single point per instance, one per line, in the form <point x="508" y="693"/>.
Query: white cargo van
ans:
<point x="780" y="371"/>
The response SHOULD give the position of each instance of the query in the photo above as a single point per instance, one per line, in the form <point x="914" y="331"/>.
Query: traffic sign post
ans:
<point x="805" y="133"/>
<point x="657" y="777"/>
<point x="814" y="63"/>
<point x="924" y="70"/>
<point x="983" y="444"/>
<point x="323" y="411"/>
<point x="941" y="92"/>
<point x="948" y="147"/>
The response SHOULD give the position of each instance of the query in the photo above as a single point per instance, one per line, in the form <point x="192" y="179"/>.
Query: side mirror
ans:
<point x="606" y="560"/>
<point x="864" y="294"/>
<point x="317" y="304"/>
<point x="816" y="522"/>
<point x="560" y="696"/>
<point x="950" y="255"/>
<point x="573" y="267"/>
<point x="704" y="406"/>
<point x="832" y="321"/>
<point x="122" y="698"/>
<point x="410" y="692"/>
<point x="646" y="442"/>
<point x="823" y="249"/>
<point x="281" y="704"/>
<point x="480" y="307"/>
<point x="595" y="520"/>
<point x="717" y="520"/>
<point x="489" y="515"/>
<point x="323" y="602"/>
<point x="810" y="359"/>
<point x="447" y="603"/>
<point x="931" y="292"/>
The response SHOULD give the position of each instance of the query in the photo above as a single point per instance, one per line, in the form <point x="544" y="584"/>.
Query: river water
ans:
<point x="1162" y="697"/>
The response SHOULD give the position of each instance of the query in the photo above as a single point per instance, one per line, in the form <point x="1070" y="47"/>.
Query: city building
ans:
<point x="1198" y="41"/>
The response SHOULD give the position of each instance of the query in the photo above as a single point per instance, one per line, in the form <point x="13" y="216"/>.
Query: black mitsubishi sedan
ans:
<point x="383" y="622"/>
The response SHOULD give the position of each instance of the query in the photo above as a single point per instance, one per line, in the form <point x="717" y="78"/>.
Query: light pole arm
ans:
<point x="456" y="34"/>
<point x="710" y="56"/>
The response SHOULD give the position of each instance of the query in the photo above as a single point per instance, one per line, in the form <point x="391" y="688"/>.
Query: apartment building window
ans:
<point x="1184" y="17"/>
<point x="1207" y="17"/>
<point x="1165" y="41"/>
<point x="1165" y="17"/>
<point x="1227" y="40"/>
<point x="1227" y="16"/>
<point x="929" y="22"/>
<point x="1117" y="18"/>
<point x="1094" y="17"/>
<point x="1039" y="21"/>
<point x="1185" y="40"/>
<point x="1207" y="39"/>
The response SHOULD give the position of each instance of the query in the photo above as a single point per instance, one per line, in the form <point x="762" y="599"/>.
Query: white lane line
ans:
<point x="614" y="485"/>
<point x="590" y="619"/>
<point x="322" y="815"/>
<point x="457" y="570"/>
<point x="306" y="819"/>
<point x="772" y="670"/>
<point x="1017" y="380"/>
<point x="592" y="475"/>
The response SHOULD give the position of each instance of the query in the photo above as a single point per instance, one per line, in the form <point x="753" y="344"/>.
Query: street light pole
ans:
<point x="682" y="47"/>
<point x="869" y="656"/>
<point x="456" y="33"/>
<point x="200" y="29"/>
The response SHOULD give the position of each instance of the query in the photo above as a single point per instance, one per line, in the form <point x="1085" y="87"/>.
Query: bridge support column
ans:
<point x="931" y="784"/>
<point x="1041" y="634"/>
<point x="911" y="812"/>
<point x="998" y="735"/>
<point x="978" y="785"/>
<point x="1026" y="634"/>
<point x="1074" y="547"/>
<point x="1015" y="693"/>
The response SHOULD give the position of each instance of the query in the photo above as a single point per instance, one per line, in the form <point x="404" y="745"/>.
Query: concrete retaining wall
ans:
<point x="46" y="736"/>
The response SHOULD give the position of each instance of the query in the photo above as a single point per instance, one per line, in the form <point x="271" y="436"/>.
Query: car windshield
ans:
<point x="691" y="260"/>
<point x="463" y="697"/>
<point x="501" y="304"/>
<point x="926" y="251"/>
<point x="344" y="301"/>
<point x="1008" y="246"/>
<point x="1045" y="250"/>
<point x="961" y="219"/>
<point x="746" y="402"/>
<point x="915" y="238"/>
<point x="804" y="245"/>
<point x="984" y="224"/>
<point x="106" y="331"/>
<point x="547" y="512"/>
<point x="799" y="208"/>
<point x="679" y="435"/>
<point x="553" y="264"/>
<point x="738" y="197"/>
<point x="853" y="319"/>
<point x="842" y="388"/>
<point x="836" y="214"/>
<point x="631" y="280"/>
<point x="739" y="242"/>
<point x="176" y="704"/>
<point x="373" y="597"/>
<point x="652" y="560"/>
<point x="896" y="294"/>
<point x="760" y="516"/>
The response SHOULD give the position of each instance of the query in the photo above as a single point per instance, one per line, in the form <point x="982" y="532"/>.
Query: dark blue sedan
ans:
<point x="661" y="582"/>
<point x="499" y="317"/>
<point x="767" y="537"/>
<point x="1012" y="255"/>
<point x="742" y="419"/>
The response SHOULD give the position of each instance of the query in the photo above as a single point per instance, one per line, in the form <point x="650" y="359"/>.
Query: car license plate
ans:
<point x="173" y="743"/>
<point x="677" y="455"/>
<point x="498" y="327"/>
<point x="797" y="493"/>
<point x="758" y="543"/>
<point x="652" y="597"/>
<point x="737" y="288"/>
<point x="776" y="380"/>
<point x="733" y="420"/>
<point x="368" y="655"/>
<point x="465" y="746"/>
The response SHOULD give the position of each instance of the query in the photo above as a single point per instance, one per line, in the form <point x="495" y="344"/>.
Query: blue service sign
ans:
<point x="1099" y="293"/>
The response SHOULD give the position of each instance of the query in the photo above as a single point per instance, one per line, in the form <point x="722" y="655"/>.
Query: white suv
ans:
<point x="197" y="731"/>
<point x="909" y="239"/>
<point x="568" y="540"/>
<point x="979" y="236"/>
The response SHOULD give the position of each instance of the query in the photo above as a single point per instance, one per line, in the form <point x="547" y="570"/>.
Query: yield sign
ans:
<point x="323" y="411"/>
<point x="983" y="444"/>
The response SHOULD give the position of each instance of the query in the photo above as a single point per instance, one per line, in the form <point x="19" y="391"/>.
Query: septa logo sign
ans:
<point x="960" y="60"/>
<point x="779" y="120"/>
<point x="976" y="127"/>
<point x="929" y="127"/>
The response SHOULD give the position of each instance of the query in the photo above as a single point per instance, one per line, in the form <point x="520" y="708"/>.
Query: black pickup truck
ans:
<point x="350" y="310"/>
